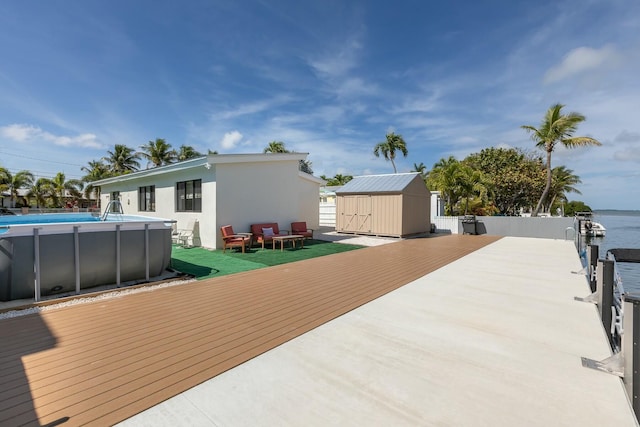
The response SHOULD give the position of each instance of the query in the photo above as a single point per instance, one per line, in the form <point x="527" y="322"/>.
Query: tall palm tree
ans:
<point x="122" y="160"/>
<point x="95" y="170"/>
<point x="158" y="152"/>
<point x="13" y="183"/>
<point x="557" y="128"/>
<point x="186" y="152"/>
<point x="60" y="186"/>
<point x="275" y="147"/>
<point x="389" y="147"/>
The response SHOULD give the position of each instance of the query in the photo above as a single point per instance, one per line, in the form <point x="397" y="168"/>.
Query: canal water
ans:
<point x="623" y="231"/>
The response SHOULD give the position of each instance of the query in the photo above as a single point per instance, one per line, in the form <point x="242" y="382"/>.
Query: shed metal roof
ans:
<point x="390" y="183"/>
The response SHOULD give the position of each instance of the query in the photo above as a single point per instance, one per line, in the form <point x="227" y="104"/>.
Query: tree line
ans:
<point x="58" y="192"/>
<point x="500" y="181"/>
<point x="494" y="181"/>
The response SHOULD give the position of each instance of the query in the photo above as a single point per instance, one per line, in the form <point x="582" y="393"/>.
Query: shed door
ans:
<point x="349" y="213"/>
<point x="357" y="214"/>
<point x="364" y="214"/>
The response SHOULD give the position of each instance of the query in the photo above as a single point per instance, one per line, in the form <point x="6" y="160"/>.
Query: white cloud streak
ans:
<point x="581" y="60"/>
<point x="29" y="134"/>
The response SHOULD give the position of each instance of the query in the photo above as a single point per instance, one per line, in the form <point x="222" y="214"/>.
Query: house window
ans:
<point x="189" y="196"/>
<point x="147" y="198"/>
<point x="115" y="197"/>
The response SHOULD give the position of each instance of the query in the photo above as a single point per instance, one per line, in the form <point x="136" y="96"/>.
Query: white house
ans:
<point x="220" y="189"/>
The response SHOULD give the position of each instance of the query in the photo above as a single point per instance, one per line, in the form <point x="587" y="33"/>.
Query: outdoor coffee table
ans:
<point x="289" y="238"/>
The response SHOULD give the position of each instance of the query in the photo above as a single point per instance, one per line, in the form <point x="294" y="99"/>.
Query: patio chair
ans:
<point x="300" y="228"/>
<point x="181" y="236"/>
<point x="231" y="239"/>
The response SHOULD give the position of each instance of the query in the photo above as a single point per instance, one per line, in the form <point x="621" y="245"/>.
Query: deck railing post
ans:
<point x="146" y="250"/>
<point x="118" y="254"/>
<point x="605" y="285"/>
<point x="592" y="262"/>
<point x="631" y="341"/>
<point x="36" y="262"/>
<point x="76" y="246"/>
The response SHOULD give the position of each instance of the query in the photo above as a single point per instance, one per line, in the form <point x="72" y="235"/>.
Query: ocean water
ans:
<point x="623" y="231"/>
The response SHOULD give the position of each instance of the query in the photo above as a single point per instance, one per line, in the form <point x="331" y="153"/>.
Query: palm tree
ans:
<point x="60" y="186"/>
<point x="470" y="182"/>
<point x="3" y="178"/>
<point x="186" y="152"/>
<point x="122" y="160"/>
<point x="305" y="166"/>
<point x="389" y="147"/>
<point x="278" y="147"/>
<point x="95" y="170"/>
<point x="564" y="181"/>
<point x="13" y="183"/>
<point x="275" y="147"/>
<point x="557" y="128"/>
<point x="40" y="191"/>
<point x="158" y="152"/>
<point x="444" y="178"/>
<point x="422" y="169"/>
<point x="337" y="180"/>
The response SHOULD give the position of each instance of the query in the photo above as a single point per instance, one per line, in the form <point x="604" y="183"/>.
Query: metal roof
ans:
<point x="391" y="183"/>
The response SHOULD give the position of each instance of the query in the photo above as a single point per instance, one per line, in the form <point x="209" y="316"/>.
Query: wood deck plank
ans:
<point x="105" y="361"/>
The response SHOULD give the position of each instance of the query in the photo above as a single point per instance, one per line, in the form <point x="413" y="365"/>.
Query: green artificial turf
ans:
<point x="203" y="263"/>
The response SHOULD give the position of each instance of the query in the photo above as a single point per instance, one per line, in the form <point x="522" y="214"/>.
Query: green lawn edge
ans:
<point x="203" y="263"/>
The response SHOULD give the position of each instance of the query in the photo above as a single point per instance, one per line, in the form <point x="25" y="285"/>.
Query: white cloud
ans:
<point x="626" y="136"/>
<point x="340" y="61"/>
<point x="631" y="154"/>
<point x="30" y="133"/>
<point x="231" y="139"/>
<point x="580" y="60"/>
<point x="19" y="133"/>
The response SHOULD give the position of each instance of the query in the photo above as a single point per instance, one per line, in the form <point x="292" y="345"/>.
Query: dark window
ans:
<point x="115" y="197"/>
<point x="147" y="198"/>
<point x="189" y="196"/>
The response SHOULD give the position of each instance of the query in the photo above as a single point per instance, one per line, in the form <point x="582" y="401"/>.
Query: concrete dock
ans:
<point x="494" y="338"/>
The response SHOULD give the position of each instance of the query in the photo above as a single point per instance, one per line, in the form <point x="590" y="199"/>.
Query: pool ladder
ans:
<point x="113" y="207"/>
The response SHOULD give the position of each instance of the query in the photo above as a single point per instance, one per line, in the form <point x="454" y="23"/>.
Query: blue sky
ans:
<point x="326" y="77"/>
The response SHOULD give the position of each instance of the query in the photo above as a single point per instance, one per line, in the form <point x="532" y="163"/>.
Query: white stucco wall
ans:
<point x="265" y="192"/>
<point x="165" y="189"/>
<point x="239" y="190"/>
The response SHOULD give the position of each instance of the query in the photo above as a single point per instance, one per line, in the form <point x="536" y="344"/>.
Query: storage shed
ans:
<point x="394" y="205"/>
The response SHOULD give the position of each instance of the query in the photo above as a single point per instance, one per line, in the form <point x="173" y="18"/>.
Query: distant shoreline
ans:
<point x="620" y="212"/>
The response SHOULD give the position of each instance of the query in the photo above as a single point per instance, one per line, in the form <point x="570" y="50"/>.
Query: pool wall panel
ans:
<point x="98" y="261"/>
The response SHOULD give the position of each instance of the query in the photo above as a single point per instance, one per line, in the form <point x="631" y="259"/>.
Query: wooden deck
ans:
<point x="100" y="363"/>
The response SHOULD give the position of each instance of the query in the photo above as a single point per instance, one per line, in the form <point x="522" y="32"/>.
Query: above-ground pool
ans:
<point x="45" y="254"/>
